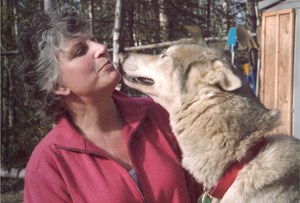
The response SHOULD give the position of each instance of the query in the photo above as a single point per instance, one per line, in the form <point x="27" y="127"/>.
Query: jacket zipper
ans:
<point x="131" y="135"/>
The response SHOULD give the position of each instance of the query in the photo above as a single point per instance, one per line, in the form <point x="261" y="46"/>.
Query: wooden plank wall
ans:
<point x="277" y="51"/>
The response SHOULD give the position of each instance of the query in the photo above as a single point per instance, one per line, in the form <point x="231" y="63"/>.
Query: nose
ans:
<point x="100" y="50"/>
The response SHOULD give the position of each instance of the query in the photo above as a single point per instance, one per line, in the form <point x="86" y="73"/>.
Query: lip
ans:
<point x="106" y="65"/>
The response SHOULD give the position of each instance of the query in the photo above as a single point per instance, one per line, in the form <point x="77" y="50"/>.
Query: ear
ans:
<point x="223" y="76"/>
<point x="196" y="34"/>
<point x="63" y="91"/>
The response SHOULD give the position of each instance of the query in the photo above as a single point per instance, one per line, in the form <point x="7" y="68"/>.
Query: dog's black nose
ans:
<point x="123" y="56"/>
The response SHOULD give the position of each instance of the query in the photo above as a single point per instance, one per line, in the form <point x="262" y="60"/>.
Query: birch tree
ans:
<point x="117" y="32"/>
<point x="163" y="20"/>
<point x="48" y="5"/>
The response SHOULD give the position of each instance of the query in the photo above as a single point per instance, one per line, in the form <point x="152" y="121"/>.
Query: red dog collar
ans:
<point x="231" y="173"/>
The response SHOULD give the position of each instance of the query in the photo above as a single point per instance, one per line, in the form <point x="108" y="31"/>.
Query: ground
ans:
<point x="12" y="190"/>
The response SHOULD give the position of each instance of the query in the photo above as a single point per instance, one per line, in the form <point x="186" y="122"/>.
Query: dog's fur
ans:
<point x="216" y="118"/>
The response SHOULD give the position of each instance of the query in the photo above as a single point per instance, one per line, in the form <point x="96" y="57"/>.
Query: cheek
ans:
<point x="80" y="71"/>
<point x="83" y="66"/>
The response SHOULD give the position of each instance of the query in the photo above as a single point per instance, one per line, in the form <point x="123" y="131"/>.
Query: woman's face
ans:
<point x="85" y="67"/>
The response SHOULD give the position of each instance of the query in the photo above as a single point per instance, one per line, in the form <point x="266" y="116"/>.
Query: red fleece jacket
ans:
<point x="65" y="167"/>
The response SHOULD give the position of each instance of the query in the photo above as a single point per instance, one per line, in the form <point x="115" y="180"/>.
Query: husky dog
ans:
<point x="223" y="130"/>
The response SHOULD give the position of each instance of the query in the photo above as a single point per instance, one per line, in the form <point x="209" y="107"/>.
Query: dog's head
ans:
<point x="180" y="72"/>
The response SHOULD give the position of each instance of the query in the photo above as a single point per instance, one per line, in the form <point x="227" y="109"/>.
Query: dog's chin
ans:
<point x="140" y="83"/>
<point x="149" y="88"/>
<point x="140" y="80"/>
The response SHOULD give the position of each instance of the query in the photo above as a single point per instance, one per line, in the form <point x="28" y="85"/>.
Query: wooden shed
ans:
<point x="280" y="61"/>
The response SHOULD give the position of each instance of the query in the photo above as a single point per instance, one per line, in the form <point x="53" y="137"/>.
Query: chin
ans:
<point x="115" y="77"/>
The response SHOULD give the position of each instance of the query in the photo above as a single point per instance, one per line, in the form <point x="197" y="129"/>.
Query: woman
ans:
<point x="105" y="147"/>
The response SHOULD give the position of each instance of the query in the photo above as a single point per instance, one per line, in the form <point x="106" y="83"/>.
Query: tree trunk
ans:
<point x="130" y="22"/>
<point x="208" y="14"/>
<point x="163" y="20"/>
<point x="91" y="15"/>
<point x="48" y="5"/>
<point x="251" y="16"/>
<point x="117" y="32"/>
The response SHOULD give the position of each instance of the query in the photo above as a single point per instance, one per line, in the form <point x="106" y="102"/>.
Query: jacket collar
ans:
<point x="133" y="112"/>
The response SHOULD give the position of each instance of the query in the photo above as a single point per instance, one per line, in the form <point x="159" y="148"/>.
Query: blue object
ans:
<point x="247" y="79"/>
<point x="253" y="79"/>
<point x="231" y="41"/>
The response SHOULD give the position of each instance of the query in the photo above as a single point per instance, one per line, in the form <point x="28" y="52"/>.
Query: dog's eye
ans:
<point x="162" y="55"/>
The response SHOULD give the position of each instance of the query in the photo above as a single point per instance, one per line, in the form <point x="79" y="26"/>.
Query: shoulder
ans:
<point x="158" y="116"/>
<point x="133" y="108"/>
<point x="44" y="151"/>
<point x="154" y="108"/>
<point x="142" y="102"/>
<point x="43" y="178"/>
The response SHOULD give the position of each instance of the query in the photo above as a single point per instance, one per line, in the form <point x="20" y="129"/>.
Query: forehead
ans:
<point x="68" y="42"/>
<point x="178" y="50"/>
<point x="65" y="48"/>
<point x="184" y="53"/>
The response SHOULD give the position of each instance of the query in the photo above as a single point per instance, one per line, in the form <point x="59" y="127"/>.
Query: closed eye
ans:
<point x="93" y="38"/>
<point x="79" y="49"/>
<point x="162" y="55"/>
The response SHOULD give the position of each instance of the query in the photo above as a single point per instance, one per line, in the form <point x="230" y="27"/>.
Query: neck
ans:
<point x="195" y="137"/>
<point x="200" y="129"/>
<point x="95" y="116"/>
<point x="232" y="171"/>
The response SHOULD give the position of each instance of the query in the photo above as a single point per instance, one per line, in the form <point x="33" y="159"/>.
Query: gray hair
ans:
<point x="38" y="46"/>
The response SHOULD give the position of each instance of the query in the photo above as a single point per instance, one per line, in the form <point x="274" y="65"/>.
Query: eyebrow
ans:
<point x="70" y="51"/>
<point x="73" y="49"/>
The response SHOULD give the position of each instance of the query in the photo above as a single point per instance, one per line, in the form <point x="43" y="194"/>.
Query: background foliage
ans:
<point x="143" y="22"/>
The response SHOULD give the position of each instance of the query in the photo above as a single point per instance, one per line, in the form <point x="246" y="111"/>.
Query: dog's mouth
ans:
<point x="138" y="79"/>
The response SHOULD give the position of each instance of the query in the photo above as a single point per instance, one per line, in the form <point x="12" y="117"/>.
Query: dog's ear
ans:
<point x="223" y="76"/>
<point x="197" y="35"/>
